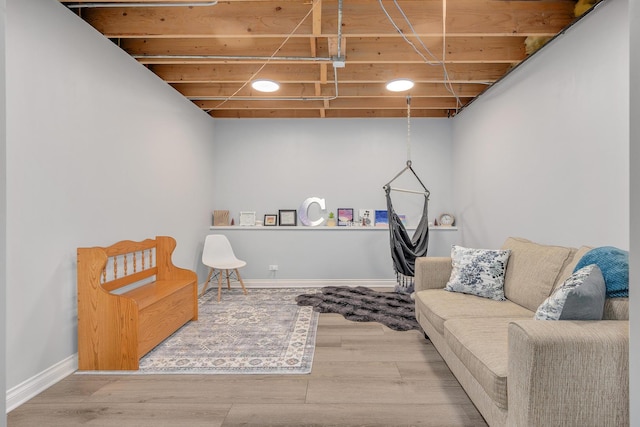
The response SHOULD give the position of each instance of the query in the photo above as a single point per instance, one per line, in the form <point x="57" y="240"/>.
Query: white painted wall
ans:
<point x="267" y="165"/>
<point x="544" y="153"/>
<point x="3" y="216"/>
<point x="634" y="258"/>
<point x="98" y="150"/>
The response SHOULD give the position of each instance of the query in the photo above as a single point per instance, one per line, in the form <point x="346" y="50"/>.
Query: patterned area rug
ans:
<point x="361" y="304"/>
<point x="263" y="332"/>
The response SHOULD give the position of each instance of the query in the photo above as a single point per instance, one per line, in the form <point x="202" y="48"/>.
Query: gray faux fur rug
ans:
<point x="362" y="304"/>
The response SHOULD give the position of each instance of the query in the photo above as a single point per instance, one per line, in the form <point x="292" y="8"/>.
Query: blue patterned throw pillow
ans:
<point x="614" y="264"/>
<point x="580" y="297"/>
<point x="478" y="272"/>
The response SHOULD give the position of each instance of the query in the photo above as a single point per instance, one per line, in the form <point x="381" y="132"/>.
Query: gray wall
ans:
<point x="98" y="150"/>
<point x="544" y="154"/>
<point x="634" y="359"/>
<point x="267" y="165"/>
<point x="3" y="217"/>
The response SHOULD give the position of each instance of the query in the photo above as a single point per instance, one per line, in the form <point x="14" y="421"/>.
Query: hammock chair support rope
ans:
<point x="405" y="249"/>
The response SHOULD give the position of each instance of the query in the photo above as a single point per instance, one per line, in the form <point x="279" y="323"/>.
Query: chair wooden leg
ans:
<point x="241" y="282"/>
<point x="219" y="285"/>
<point x="207" y="282"/>
<point x="228" y="281"/>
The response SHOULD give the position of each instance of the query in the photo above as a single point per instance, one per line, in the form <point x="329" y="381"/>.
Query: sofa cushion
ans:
<point x="581" y="297"/>
<point x="482" y="346"/>
<point x="438" y="306"/>
<point x="478" y="272"/>
<point x="616" y="309"/>
<point x="533" y="270"/>
<point x="570" y="266"/>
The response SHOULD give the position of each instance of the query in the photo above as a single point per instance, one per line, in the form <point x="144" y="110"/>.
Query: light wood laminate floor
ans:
<point x="364" y="374"/>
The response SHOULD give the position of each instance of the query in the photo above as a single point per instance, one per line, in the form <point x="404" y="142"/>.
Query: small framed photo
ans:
<point x="381" y="218"/>
<point x="367" y="217"/>
<point x="287" y="217"/>
<point x="345" y="216"/>
<point x="247" y="218"/>
<point x="271" y="220"/>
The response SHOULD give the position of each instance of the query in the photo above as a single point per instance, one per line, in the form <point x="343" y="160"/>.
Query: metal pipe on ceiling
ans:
<point x="234" y="57"/>
<point x="339" y="30"/>
<point x="166" y="4"/>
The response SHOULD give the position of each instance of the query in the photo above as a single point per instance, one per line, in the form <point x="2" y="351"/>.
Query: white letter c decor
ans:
<point x="303" y="212"/>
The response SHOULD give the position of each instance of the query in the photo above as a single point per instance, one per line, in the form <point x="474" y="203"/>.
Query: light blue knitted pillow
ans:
<point x="614" y="264"/>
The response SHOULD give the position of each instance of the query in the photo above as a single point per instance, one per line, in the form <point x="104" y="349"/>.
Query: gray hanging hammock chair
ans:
<point x="404" y="248"/>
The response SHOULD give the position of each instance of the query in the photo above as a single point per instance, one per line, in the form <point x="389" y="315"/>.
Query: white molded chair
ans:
<point x="218" y="255"/>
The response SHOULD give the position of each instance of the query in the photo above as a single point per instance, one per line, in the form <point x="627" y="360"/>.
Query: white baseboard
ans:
<point x="30" y="388"/>
<point x="308" y="283"/>
<point x="311" y="283"/>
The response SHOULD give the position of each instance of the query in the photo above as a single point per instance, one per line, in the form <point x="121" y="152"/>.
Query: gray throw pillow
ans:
<point x="580" y="297"/>
<point x="478" y="272"/>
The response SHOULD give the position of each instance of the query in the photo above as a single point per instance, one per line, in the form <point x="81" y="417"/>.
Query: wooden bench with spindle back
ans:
<point x="130" y="298"/>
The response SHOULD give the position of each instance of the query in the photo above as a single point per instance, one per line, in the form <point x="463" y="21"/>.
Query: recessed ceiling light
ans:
<point x="399" y="85"/>
<point x="263" y="85"/>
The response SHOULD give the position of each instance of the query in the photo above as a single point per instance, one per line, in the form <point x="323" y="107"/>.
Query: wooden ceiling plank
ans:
<point x="497" y="17"/>
<point x="396" y="103"/>
<point x="253" y="19"/>
<point x="303" y="73"/>
<point x="345" y="114"/>
<point x="261" y="105"/>
<point x="477" y="49"/>
<point x="373" y="113"/>
<point x="330" y="102"/>
<point x="268" y="19"/>
<point x="508" y="17"/>
<point x="267" y="114"/>
<point x="222" y="46"/>
<point x="195" y="90"/>
<point x="316" y="26"/>
<point x="360" y="50"/>
<point x="340" y="103"/>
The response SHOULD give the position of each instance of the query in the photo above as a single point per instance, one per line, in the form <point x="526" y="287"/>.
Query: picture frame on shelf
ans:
<point x="220" y="218"/>
<point x="381" y="218"/>
<point x="247" y="218"/>
<point x="287" y="217"/>
<point x="345" y="216"/>
<point x="270" y="220"/>
<point x="366" y="217"/>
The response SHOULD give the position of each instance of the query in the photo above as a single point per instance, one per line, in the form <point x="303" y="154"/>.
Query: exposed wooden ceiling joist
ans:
<point x="451" y="49"/>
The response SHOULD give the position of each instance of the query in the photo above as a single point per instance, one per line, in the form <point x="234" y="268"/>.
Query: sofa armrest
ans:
<point x="568" y="373"/>
<point x="432" y="272"/>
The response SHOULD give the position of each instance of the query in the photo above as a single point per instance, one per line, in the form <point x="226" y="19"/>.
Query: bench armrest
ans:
<point x="166" y="269"/>
<point x="568" y="373"/>
<point x="432" y="272"/>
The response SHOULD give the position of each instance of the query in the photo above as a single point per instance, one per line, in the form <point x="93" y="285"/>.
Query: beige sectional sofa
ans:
<point x="524" y="372"/>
